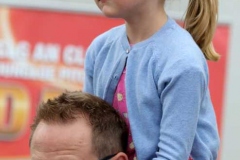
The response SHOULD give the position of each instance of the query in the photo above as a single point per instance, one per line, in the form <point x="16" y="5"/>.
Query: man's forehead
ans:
<point x="64" y="139"/>
<point x="76" y="132"/>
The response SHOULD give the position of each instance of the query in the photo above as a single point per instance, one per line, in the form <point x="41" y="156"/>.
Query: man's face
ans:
<point x="71" y="141"/>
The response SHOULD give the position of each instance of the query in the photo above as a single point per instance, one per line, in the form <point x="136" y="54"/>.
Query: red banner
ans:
<point x="42" y="53"/>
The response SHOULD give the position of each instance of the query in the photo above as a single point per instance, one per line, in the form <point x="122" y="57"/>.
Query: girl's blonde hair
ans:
<point x="201" y="22"/>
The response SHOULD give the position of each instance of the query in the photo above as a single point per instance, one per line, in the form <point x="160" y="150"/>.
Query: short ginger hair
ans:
<point x="110" y="132"/>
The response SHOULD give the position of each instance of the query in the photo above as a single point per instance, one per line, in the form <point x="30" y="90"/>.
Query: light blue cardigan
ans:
<point x="169" y="106"/>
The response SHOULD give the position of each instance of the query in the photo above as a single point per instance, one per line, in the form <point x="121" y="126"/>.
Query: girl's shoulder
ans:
<point x="175" y="48"/>
<point x="101" y="43"/>
<point x="174" y="36"/>
<point x="175" y="43"/>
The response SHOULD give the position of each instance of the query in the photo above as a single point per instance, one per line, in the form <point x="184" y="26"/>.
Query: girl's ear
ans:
<point x="120" y="156"/>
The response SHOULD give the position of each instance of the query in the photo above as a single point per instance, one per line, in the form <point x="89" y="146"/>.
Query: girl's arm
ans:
<point x="184" y="101"/>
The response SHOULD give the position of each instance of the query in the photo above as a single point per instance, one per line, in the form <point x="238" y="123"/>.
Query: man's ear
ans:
<point x="120" y="156"/>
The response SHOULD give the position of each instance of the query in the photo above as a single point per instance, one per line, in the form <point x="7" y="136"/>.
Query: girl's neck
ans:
<point x="141" y="27"/>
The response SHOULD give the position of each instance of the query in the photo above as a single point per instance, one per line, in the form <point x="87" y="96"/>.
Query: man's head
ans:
<point x="78" y="126"/>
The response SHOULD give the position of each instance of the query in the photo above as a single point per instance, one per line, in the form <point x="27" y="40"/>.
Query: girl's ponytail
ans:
<point x="200" y="22"/>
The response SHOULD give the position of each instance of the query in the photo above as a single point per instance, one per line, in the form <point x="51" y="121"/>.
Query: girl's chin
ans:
<point x="102" y="1"/>
<point x="109" y="13"/>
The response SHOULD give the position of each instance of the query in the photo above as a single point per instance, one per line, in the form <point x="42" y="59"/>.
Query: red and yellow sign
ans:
<point x="42" y="53"/>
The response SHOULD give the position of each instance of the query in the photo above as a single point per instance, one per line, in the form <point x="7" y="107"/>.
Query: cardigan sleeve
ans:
<point x="181" y="100"/>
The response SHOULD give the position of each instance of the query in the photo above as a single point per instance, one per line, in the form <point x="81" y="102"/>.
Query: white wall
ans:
<point x="59" y="5"/>
<point x="231" y="123"/>
<point x="228" y="13"/>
